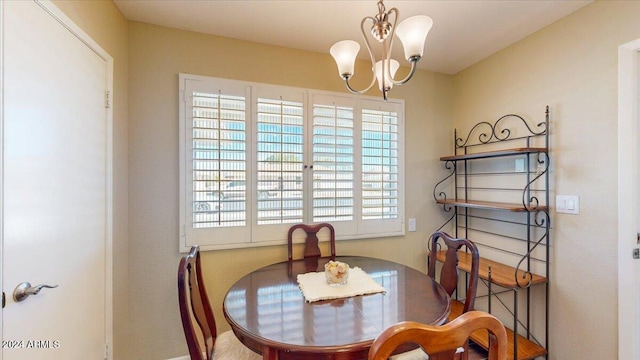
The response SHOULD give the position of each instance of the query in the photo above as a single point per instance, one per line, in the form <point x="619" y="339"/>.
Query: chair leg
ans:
<point x="465" y="354"/>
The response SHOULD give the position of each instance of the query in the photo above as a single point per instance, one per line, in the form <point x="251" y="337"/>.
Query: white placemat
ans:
<point x="314" y="286"/>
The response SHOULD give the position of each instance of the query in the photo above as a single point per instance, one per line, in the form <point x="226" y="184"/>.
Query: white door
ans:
<point x="635" y="269"/>
<point x="628" y="200"/>
<point x="56" y="171"/>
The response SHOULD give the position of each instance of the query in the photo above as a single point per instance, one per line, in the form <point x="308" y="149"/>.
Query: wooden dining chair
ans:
<point x="311" y="248"/>
<point x="449" y="272"/>
<point x="198" y="321"/>
<point x="449" y="281"/>
<point x="441" y="342"/>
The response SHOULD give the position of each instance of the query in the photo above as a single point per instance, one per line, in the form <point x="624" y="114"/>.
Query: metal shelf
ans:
<point x="493" y="154"/>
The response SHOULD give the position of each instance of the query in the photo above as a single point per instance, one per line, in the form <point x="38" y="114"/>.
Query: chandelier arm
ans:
<point x="386" y="52"/>
<point x="414" y="61"/>
<point x="393" y="37"/>
<point x="358" y="92"/>
<point x="368" y="45"/>
<point x="373" y="61"/>
<point x="392" y="34"/>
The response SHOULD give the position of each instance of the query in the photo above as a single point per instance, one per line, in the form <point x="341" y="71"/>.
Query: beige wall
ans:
<point x="105" y="24"/>
<point x="156" y="56"/>
<point x="571" y="66"/>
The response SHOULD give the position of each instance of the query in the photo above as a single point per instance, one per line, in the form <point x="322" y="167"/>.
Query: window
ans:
<point x="256" y="159"/>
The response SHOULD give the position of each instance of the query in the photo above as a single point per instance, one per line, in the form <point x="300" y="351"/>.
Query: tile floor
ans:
<point x="476" y="352"/>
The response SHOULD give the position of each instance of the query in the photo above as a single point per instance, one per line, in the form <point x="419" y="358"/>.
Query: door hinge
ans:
<point x="4" y="302"/>
<point x="636" y="253"/>
<point x="106" y="351"/>
<point x="107" y="99"/>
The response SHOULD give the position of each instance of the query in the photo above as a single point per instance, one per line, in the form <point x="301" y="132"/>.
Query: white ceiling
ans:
<point x="464" y="31"/>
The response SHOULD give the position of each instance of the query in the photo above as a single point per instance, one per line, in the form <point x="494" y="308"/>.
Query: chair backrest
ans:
<point x="441" y="342"/>
<point x="449" y="272"/>
<point x="195" y="309"/>
<point x="311" y="248"/>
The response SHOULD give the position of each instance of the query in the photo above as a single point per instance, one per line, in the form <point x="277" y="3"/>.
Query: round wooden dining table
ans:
<point x="269" y="314"/>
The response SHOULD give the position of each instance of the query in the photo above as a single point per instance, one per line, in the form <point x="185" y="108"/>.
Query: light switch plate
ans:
<point x="568" y="204"/>
<point x="412" y="224"/>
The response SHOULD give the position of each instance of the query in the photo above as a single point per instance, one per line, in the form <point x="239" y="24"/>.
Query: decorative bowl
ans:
<point x="336" y="272"/>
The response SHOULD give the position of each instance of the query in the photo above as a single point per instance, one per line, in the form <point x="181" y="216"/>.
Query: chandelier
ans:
<point x="412" y="33"/>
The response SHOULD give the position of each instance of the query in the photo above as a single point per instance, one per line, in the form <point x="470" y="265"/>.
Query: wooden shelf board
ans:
<point x="501" y="274"/>
<point x="527" y="349"/>
<point x="496" y="153"/>
<point x="491" y="205"/>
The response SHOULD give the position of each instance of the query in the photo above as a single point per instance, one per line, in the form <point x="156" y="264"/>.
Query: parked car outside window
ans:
<point x="237" y="189"/>
<point x="209" y="203"/>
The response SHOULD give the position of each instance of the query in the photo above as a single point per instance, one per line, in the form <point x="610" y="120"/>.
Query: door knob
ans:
<point x="23" y="290"/>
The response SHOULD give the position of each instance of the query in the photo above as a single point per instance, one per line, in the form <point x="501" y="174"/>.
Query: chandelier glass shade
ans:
<point x="391" y="66"/>
<point x="412" y="33"/>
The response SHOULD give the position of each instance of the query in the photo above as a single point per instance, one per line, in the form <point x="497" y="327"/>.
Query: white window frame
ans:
<point x="253" y="235"/>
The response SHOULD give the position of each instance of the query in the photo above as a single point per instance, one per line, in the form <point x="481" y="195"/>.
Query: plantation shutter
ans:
<point x="381" y="160"/>
<point x="334" y="162"/>
<point x="216" y="154"/>
<point x="279" y="163"/>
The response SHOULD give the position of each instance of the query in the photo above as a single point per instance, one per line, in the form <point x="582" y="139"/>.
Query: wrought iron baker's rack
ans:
<point x="510" y="136"/>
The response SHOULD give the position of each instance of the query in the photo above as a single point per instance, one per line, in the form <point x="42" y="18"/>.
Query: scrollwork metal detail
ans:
<point x="532" y="202"/>
<point x="526" y="274"/>
<point x="446" y="222"/>
<point x="543" y="221"/>
<point x="496" y="132"/>
<point x="507" y="132"/>
<point x="442" y="196"/>
<point x="483" y="138"/>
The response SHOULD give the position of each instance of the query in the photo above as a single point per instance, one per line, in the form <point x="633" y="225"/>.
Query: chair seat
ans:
<point x="228" y="347"/>
<point x="417" y="354"/>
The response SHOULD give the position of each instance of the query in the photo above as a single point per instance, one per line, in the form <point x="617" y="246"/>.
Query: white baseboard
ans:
<point x="181" y="358"/>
